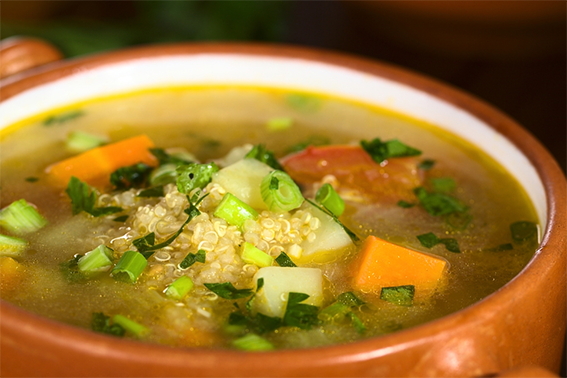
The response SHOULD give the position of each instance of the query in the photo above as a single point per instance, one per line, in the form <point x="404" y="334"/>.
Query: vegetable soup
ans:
<point x="251" y="218"/>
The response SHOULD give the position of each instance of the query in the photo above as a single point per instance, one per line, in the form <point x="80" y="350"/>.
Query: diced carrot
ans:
<point x="355" y="169"/>
<point x="383" y="264"/>
<point x="95" y="166"/>
<point x="10" y="274"/>
<point x="195" y="337"/>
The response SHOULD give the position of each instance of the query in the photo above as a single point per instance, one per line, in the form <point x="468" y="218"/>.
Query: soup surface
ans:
<point x="430" y="223"/>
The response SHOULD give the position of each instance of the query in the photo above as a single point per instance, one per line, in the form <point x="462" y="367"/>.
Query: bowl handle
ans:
<point x="526" y="372"/>
<point x="18" y="54"/>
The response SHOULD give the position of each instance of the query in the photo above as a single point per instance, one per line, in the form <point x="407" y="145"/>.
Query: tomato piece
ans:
<point x="355" y="170"/>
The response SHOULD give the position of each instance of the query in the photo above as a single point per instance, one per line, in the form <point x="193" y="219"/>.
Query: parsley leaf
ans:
<point x="259" y="152"/>
<point x="165" y="158"/>
<point x="399" y="295"/>
<point x="227" y="290"/>
<point x="133" y="176"/>
<point x="191" y="176"/>
<point x="426" y="164"/>
<point x="438" y="203"/>
<point x="299" y="314"/>
<point x="101" y="323"/>
<point x="192" y="258"/>
<point x="380" y="151"/>
<point x="523" y="231"/>
<point x="429" y="240"/>
<point x="84" y="199"/>
<point x="284" y="260"/>
<point x="156" y="191"/>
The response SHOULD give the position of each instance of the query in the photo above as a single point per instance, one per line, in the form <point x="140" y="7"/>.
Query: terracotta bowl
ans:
<point x="520" y="325"/>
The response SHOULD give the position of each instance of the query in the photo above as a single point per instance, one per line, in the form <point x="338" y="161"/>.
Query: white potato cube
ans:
<point x="279" y="281"/>
<point x="243" y="180"/>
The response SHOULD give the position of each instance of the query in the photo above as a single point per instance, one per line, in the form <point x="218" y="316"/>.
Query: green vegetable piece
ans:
<point x="380" y="151"/>
<point x="330" y="199"/>
<point x="279" y="124"/>
<point x="443" y="184"/>
<point x="97" y="260"/>
<point x="438" y="203"/>
<point x="84" y="199"/>
<point x="348" y="298"/>
<point x="252" y="342"/>
<point x="20" y="217"/>
<point x="234" y="211"/>
<point x="301" y="315"/>
<point x="459" y="220"/>
<point x="11" y="246"/>
<point x="284" y="260"/>
<point x="451" y="244"/>
<point x="428" y="240"/>
<point x="175" y="159"/>
<point x="426" y="164"/>
<point x="179" y="288"/>
<point x="192" y="258"/>
<point x="63" y="117"/>
<point x="302" y="102"/>
<point x="523" y="231"/>
<point x="259" y="152"/>
<point x="133" y="176"/>
<point x="336" y="311"/>
<point x="122" y="218"/>
<point x="70" y="270"/>
<point x="131" y="326"/>
<point x="228" y="291"/>
<point x="156" y="191"/>
<point x="405" y="204"/>
<point x="129" y="267"/>
<point x="398" y="295"/>
<point x="32" y="179"/>
<point x="253" y="255"/>
<point x="194" y="175"/>
<point x="81" y="141"/>
<point x="101" y="323"/>
<point x="164" y="174"/>
<point x="357" y="323"/>
<point x="280" y="193"/>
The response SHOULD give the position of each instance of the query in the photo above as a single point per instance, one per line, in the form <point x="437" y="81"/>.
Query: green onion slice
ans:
<point x="234" y="211"/>
<point x="252" y="342"/>
<point x="129" y="267"/>
<point x="130" y="326"/>
<point x="330" y="199"/>
<point x="253" y="255"/>
<point x="97" y="260"/>
<point x="279" y="192"/>
<point x="11" y="246"/>
<point x="179" y="288"/>
<point x="81" y="141"/>
<point x="20" y="217"/>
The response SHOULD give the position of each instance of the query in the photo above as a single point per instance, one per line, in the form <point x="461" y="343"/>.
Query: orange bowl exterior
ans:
<point x="521" y="324"/>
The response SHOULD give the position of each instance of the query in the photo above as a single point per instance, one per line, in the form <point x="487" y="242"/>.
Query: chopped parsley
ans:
<point x="101" y="323"/>
<point x="284" y="260"/>
<point x="523" y="231"/>
<point x="156" y="191"/>
<point x="398" y="295"/>
<point x="380" y="151"/>
<point x="438" y="203"/>
<point x="165" y="158"/>
<point x="133" y="176"/>
<point x="191" y="176"/>
<point x="192" y="258"/>
<point x="227" y="290"/>
<point x="426" y="164"/>
<point x="83" y="198"/>
<point x="122" y="218"/>
<point x="429" y="240"/>
<point x="298" y="314"/>
<point x="70" y="270"/>
<point x="260" y="153"/>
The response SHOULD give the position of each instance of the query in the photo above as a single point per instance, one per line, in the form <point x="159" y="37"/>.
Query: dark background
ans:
<point x="511" y="54"/>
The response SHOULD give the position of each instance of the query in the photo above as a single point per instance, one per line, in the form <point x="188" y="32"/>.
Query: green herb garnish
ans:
<point x="399" y="295"/>
<point x="70" y="270"/>
<point x="165" y="158"/>
<point x="299" y="314"/>
<point x="192" y="258"/>
<point x="429" y="240"/>
<point x="194" y="175"/>
<point x="63" y="117"/>
<point x="259" y="152"/>
<point x="380" y="151"/>
<point x="426" y="164"/>
<point x="133" y="176"/>
<point x="227" y="291"/>
<point x="101" y="323"/>
<point x="523" y="231"/>
<point x="284" y="260"/>
<point x="438" y="203"/>
<point x="122" y="218"/>
<point x="83" y="198"/>
<point x="156" y="191"/>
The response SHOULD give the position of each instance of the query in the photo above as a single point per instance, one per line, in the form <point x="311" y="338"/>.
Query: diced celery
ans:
<point x="11" y="246"/>
<point x="234" y="211"/>
<point x="179" y="288"/>
<point x="20" y="217"/>
<point x="81" y="141"/>
<point x="243" y="179"/>
<point x="253" y="255"/>
<point x="280" y="281"/>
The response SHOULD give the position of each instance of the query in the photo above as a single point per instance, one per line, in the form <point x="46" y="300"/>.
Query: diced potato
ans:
<point x="243" y="180"/>
<point x="280" y="281"/>
<point x="331" y="239"/>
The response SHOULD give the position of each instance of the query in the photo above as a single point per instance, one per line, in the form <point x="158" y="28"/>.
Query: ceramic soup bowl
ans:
<point x="520" y="325"/>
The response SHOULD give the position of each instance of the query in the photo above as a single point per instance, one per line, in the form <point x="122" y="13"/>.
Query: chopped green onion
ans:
<point x="130" y="326"/>
<point x="192" y="258"/>
<point x="70" y="270"/>
<point x="330" y="199"/>
<point x="234" y="211"/>
<point x="279" y="192"/>
<point x="179" y="288"/>
<point x="164" y="174"/>
<point x="399" y="295"/>
<point x="380" y="151"/>
<point x="253" y="255"/>
<point x="194" y="175"/>
<point x="284" y="260"/>
<point x="129" y="267"/>
<point x="260" y="153"/>
<point x="11" y="246"/>
<point x="278" y="124"/>
<point x="227" y="290"/>
<point x="97" y="260"/>
<point x="20" y="217"/>
<point x="81" y="141"/>
<point x="252" y="342"/>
